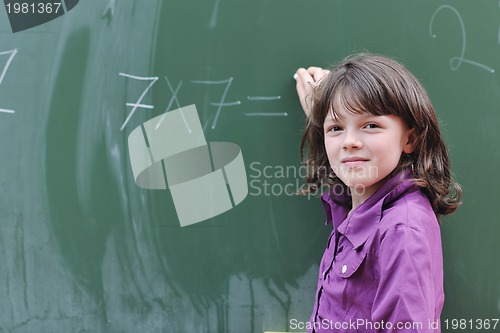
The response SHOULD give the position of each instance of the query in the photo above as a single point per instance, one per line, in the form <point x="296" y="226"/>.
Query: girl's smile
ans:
<point x="354" y="161"/>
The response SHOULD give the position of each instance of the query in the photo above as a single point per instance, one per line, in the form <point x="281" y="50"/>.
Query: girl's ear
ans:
<point x="411" y="137"/>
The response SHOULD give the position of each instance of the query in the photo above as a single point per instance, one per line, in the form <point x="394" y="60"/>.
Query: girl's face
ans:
<point x="363" y="149"/>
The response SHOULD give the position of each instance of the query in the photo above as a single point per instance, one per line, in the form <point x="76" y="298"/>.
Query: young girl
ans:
<point x="372" y="139"/>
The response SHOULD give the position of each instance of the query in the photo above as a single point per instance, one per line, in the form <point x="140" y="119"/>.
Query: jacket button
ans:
<point x="344" y="269"/>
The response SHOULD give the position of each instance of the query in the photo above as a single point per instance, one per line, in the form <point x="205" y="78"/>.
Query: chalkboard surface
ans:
<point x="84" y="249"/>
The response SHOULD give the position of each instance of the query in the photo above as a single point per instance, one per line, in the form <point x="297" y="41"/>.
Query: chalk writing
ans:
<point x="109" y="11"/>
<point x="263" y="98"/>
<point x="222" y="102"/>
<point x="267" y="114"/>
<point x="455" y="62"/>
<point x="138" y="104"/>
<point x="174" y="102"/>
<point x="213" y="19"/>
<point x="498" y="34"/>
<point x="12" y="54"/>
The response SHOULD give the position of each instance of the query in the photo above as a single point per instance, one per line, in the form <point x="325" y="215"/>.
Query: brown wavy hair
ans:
<point x="375" y="84"/>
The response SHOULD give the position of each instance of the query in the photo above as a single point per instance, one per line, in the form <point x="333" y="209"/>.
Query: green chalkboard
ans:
<point x="85" y="249"/>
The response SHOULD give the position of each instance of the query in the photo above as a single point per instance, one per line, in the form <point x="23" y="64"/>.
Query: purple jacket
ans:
<point x="385" y="271"/>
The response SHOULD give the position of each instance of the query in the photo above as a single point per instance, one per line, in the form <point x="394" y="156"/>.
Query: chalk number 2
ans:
<point x="456" y="62"/>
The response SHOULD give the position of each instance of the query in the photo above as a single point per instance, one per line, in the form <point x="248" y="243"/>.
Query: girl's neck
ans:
<point x="361" y="194"/>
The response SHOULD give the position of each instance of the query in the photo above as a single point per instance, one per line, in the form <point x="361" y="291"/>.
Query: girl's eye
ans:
<point x="372" y="125"/>
<point x="335" y="129"/>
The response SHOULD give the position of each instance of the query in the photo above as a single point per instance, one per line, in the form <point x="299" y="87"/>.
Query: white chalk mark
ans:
<point x="185" y="121"/>
<point x="263" y="98"/>
<point x="172" y="100"/>
<point x="456" y="62"/>
<point x="474" y="63"/>
<point x="153" y="79"/>
<point x="174" y="94"/>
<point x="7" y="64"/>
<point x="213" y="19"/>
<point x="210" y="81"/>
<point x="205" y="124"/>
<point x="109" y="11"/>
<point x="146" y="106"/>
<point x="266" y="114"/>
<point x="144" y="78"/>
<point x="498" y="38"/>
<point x="462" y="27"/>
<point x="222" y="102"/>
<point x="226" y="104"/>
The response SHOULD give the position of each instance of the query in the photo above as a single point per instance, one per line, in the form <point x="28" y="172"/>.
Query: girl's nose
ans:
<point x="351" y="141"/>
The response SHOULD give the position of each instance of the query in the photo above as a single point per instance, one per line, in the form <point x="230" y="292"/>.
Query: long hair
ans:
<point x="369" y="83"/>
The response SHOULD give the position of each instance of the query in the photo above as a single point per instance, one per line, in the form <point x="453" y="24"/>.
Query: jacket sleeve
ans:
<point x="406" y="298"/>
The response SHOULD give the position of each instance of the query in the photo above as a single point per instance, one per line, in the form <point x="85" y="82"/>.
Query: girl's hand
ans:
<point x="306" y="80"/>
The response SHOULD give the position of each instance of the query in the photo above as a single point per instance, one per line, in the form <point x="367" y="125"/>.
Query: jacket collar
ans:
<point x="358" y="226"/>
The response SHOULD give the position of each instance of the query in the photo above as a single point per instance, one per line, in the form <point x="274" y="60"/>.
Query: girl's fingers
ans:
<point x="317" y="73"/>
<point x="306" y="80"/>
<point x="304" y="86"/>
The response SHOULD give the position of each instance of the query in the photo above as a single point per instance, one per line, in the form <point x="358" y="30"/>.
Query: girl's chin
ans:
<point x="353" y="182"/>
<point x="359" y="186"/>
